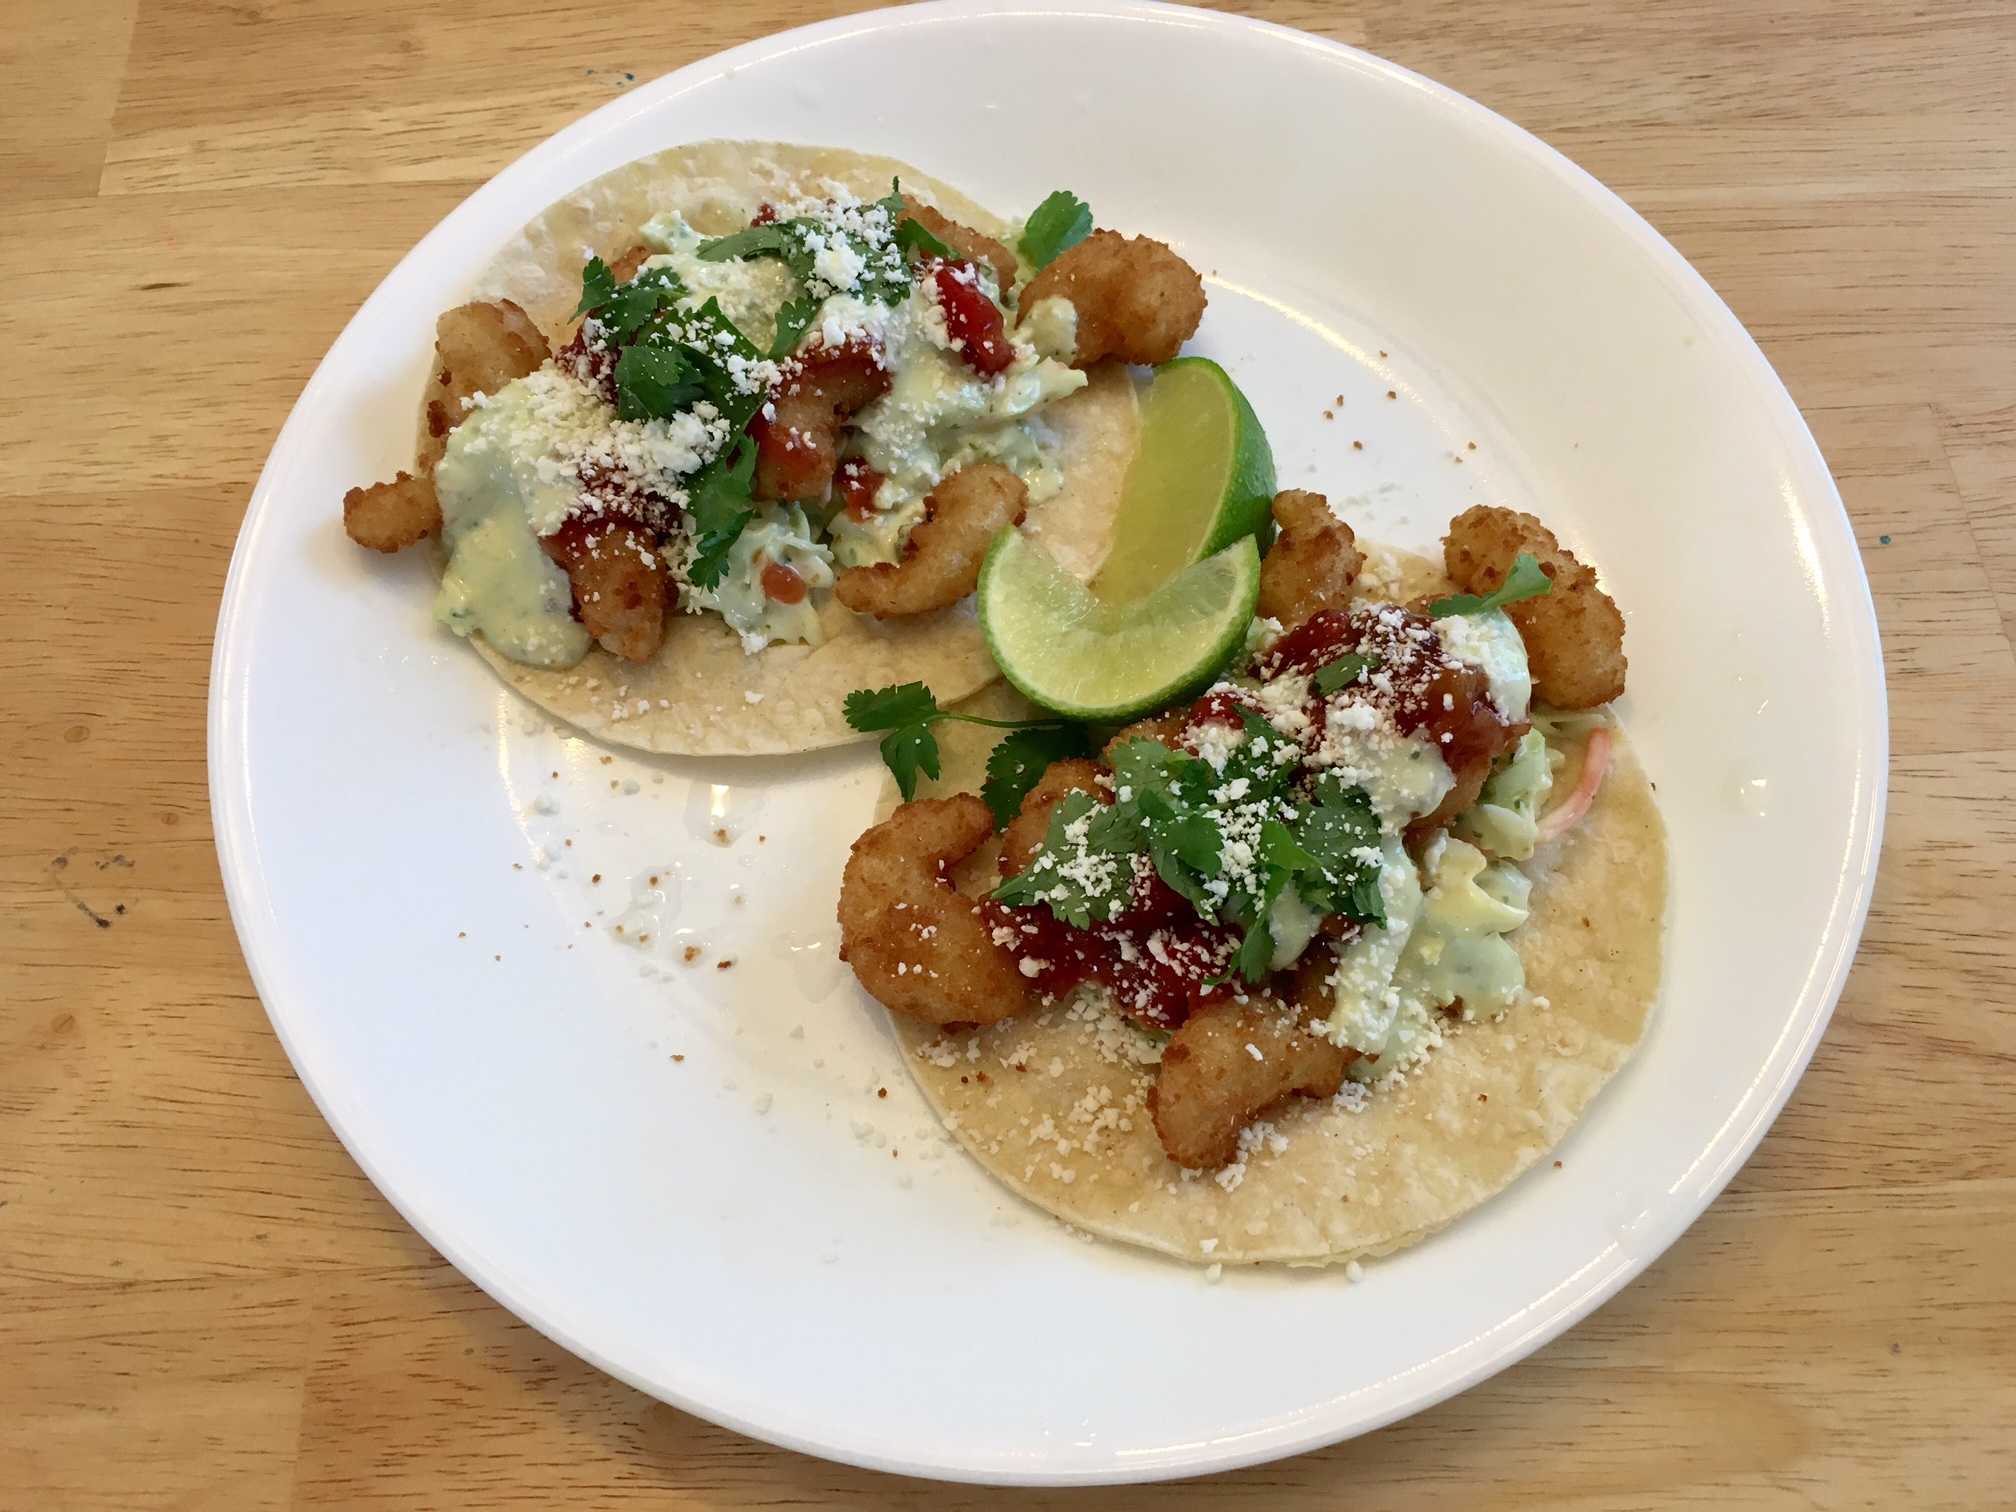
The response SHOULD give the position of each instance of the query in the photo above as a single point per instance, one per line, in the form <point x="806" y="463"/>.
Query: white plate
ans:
<point x="785" y="1272"/>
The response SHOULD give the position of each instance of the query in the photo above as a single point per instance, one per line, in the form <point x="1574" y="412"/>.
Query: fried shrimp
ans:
<point x="916" y="943"/>
<point x="622" y="592"/>
<point x="624" y="268"/>
<point x="1574" y="635"/>
<point x="1164" y="729"/>
<point x="392" y="516"/>
<point x="1135" y="298"/>
<point x="972" y="245"/>
<point x="1025" y="832"/>
<point x="478" y="348"/>
<point x="798" y="436"/>
<point x="1230" y="1062"/>
<point x="941" y="561"/>
<point x="1313" y="562"/>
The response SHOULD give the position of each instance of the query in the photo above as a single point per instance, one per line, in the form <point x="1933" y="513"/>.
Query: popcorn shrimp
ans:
<point x="917" y="944"/>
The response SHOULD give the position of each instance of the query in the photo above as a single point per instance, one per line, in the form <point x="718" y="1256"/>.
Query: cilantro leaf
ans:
<point x="597" y="284"/>
<point x="777" y="239"/>
<point x="1079" y="893"/>
<point x="912" y="236"/>
<point x="1343" y="672"/>
<point x="1527" y="579"/>
<point x="1140" y="765"/>
<point x="720" y="505"/>
<point x="890" y="708"/>
<point x="1256" y="950"/>
<point x="907" y="751"/>
<point x="656" y="382"/>
<point x="1019" y="760"/>
<point x="794" y="318"/>
<point x="1340" y="833"/>
<point x="630" y="308"/>
<point x="1058" y="224"/>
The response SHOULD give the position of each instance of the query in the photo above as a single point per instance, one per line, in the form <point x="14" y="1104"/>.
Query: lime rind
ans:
<point x="1087" y="659"/>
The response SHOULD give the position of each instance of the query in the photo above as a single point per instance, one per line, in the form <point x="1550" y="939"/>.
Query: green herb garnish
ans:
<point x="884" y="278"/>
<point x="721" y="506"/>
<point x="908" y="710"/>
<point x="597" y="284"/>
<point x="656" y="382"/>
<point x="913" y="236"/>
<point x="1343" y="672"/>
<point x="1020" y="758"/>
<point x="1527" y="579"/>
<point x="1230" y="840"/>
<point x="1058" y="224"/>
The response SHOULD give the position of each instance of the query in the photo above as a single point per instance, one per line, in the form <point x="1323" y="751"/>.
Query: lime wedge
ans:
<point x="1203" y="477"/>
<point x="1103" y="662"/>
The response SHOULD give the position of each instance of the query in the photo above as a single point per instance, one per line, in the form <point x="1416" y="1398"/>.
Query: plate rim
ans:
<point x="232" y="815"/>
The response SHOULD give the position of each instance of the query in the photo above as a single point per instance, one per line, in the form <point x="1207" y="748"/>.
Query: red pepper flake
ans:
<point x="723" y="965"/>
<point x="881" y="1091"/>
<point x="596" y="878"/>
<point x="690" y="954"/>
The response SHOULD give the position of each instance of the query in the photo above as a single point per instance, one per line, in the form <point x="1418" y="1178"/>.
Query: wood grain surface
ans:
<point x="203" y="1303"/>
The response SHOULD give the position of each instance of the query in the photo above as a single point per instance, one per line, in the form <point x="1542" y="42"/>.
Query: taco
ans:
<point x="1304" y="969"/>
<point x="726" y="432"/>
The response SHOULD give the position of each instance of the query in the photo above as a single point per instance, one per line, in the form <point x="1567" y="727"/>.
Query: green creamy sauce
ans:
<point x="499" y="583"/>
<point x="940" y="416"/>
<point x="1439" y="943"/>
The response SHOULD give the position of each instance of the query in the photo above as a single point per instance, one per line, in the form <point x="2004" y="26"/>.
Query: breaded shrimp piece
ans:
<point x="478" y="348"/>
<point x="392" y="516"/>
<point x="1165" y="729"/>
<point x="798" y="443"/>
<point x="624" y="268"/>
<point x="1313" y="562"/>
<point x="916" y="943"/>
<point x="974" y="246"/>
<point x="1574" y="635"/>
<point x="622" y="592"/>
<point x="941" y="561"/>
<point x="1210" y="1085"/>
<point x="1019" y="842"/>
<point x="1135" y="298"/>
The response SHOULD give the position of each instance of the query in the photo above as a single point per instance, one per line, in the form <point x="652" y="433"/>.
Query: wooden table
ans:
<point x="204" y="1304"/>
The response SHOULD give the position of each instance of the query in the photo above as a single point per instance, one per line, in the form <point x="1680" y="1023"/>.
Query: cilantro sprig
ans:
<point x="907" y="711"/>
<point x="884" y="278"/>
<point x="1056" y="226"/>
<point x="1232" y="840"/>
<point x="1527" y="579"/>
